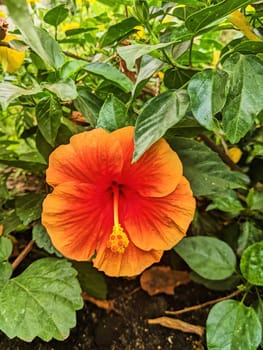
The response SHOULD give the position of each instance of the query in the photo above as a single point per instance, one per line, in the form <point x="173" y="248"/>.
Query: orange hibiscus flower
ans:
<point x="122" y="214"/>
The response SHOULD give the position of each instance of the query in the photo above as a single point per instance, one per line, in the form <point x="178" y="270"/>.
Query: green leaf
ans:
<point x="8" y="92"/>
<point x="204" y="169"/>
<point x="41" y="302"/>
<point x="29" y="161"/>
<point x="29" y="206"/>
<point x="39" y="40"/>
<point x="6" y="248"/>
<point x="249" y="47"/>
<point x="113" y="114"/>
<point x="245" y="96"/>
<point x="131" y="53"/>
<point x="64" y="89"/>
<point x="207" y="16"/>
<point x="149" y="65"/>
<point x="251" y="264"/>
<point x="42" y="239"/>
<point x="10" y="222"/>
<point x="227" y="202"/>
<point x="226" y="284"/>
<point x="159" y="114"/>
<point x="49" y="114"/>
<point x="88" y="105"/>
<point x="256" y="200"/>
<point x="249" y="234"/>
<point x="208" y="93"/>
<point x="91" y="280"/>
<point x="6" y="271"/>
<point x="210" y="257"/>
<point x="52" y="48"/>
<point x="111" y="74"/>
<point x="175" y="78"/>
<point x="71" y="67"/>
<point x="232" y="325"/>
<point x="118" y="31"/>
<point x="258" y="306"/>
<point x="56" y="15"/>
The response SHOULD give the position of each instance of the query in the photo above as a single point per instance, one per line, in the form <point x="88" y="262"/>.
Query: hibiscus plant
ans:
<point x="129" y="128"/>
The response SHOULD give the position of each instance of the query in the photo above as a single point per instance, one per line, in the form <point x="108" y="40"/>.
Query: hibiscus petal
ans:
<point x="156" y="173"/>
<point x="76" y="216"/>
<point x="131" y="263"/>
<point x="157" y="223"/>
<point x="90" y="157"/>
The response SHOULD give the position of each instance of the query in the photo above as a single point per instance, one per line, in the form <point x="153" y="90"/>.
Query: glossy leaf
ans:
<point x="228" y="283"/>
<point x="175" y="78"/>
<point x="64" y="89"/>
<point x="29" y="207"/>
<point x="118" y="31"/>
<point x="41" y="302"/>
<point x="113" y="114"/>
<point x="71" y="67"/>
<point x="131" y="53"/>
<point x="39" y="40"/>
<point x="207" y="91"/>
<point x="204" y="169"/>
<point x="91" y="280"/>
<point x="88" y="104"/>
<point x="52" y="48"/>
<point x="158" y="115"/>
<point x="110" y="73"/>
<point x="149" y="65"/>
<point x="8" y="92"/>
<point x="29" y="161"/>
<point x="6" y="271"/>
<point x="249" y="47"/>
<point x="42" y="239"/>
<point x="251" y="264"/>
<point x="245" y="96"/>
<point x="227" y="202"/>
<point x="56" y="15"/>
<point x="258" y="306"/>
<point x="210" y="257"/>
<point x="249" y="234"/>
<point x="6" y="247"/>
<point x="49" y="114"/>
<point x="202" y="18"/>
<point x="232" y="325"/>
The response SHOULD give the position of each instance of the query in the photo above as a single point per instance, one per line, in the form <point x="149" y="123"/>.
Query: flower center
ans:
<point x="118" y="240"/>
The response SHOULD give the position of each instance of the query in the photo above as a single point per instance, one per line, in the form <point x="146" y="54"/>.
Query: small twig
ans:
<point x="23" y="254"/>
<point x="200" y="306"/>
<point x="72" y="55"/>
<point x="210" y="143"/>
<point x="174" y="323"/>
<point x="102" y="304"/>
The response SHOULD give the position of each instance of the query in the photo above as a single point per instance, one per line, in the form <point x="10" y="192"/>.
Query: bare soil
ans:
<point x="127" y="327"/>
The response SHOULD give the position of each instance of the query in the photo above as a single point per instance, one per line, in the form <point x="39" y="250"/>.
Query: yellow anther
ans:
<point x="118" y="240"/>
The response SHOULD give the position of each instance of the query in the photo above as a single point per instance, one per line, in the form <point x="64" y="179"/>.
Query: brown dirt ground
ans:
<point x="128" y="329"/>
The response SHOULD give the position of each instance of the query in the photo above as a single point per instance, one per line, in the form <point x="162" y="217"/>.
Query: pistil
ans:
<point x="118" y="239"/>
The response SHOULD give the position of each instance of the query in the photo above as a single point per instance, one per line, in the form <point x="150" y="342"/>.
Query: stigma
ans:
<point x="118" y="239"/>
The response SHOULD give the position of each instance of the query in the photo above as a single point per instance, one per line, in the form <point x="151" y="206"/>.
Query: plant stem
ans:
<point x="200" y="306"/>
<point x="210" y="143"/>
<point x="23" y="254"/>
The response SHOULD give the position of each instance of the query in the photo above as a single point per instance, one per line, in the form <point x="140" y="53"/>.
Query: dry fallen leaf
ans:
<point x="161" y="279"/>
<point x="178" y="324"/>
<point x="103" y="304"/>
